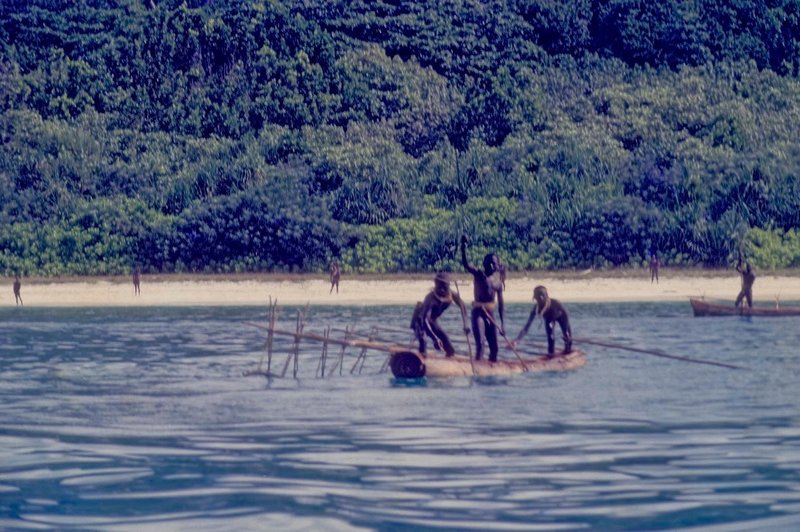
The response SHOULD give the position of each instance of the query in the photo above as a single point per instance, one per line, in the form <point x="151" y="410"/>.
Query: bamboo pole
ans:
<point x="294" y="343"/>
<point x="466" y="336"/>
<point x="340" y="361"/>
<point x="270" y="336"/>
<point x="301" y="326"/>
<point x="656" y="353"/>
<point x="503" y="334"/>
<point x="369" y="344"/>
<point x="321" y="363"/>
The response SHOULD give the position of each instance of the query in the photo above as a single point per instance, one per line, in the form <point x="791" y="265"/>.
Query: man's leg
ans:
<point x="476" y="332"/>
<point x="491" y="339"/>
<point x="549" y="327"/>
<point x="739" y="298"/>
<point x="567" y="334"/>
<point x="444" y="341"/>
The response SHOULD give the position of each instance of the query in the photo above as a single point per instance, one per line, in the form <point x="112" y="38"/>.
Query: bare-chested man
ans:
<point x="552" y="311"/>
<point x="335" y="274"/>
<point x="748" y="278"/>
<point x="426" y="313"/>
<point x="136" y="281"/>
<point x="17" y="287"/>
<point x="653" y="267"/>
<point x="487" y="289"/>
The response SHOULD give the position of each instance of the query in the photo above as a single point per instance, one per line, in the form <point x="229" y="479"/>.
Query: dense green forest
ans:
<point x="245" y="135"/>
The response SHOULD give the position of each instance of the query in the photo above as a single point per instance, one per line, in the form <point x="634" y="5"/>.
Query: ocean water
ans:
<point x="142" y="419"/>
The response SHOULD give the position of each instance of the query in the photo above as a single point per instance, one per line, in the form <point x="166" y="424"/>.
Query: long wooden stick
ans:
<point x="378" y="346"/>
<point x="272" y="318"/>
<point x="466" y="335"/>
<point x="503" y="334"/>
<point x="655" y="353"/>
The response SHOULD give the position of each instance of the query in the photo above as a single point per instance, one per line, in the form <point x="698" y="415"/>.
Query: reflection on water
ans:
<point x="141" y="418"/>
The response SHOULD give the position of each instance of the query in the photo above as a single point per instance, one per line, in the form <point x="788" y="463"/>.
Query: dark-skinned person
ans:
<point x="487" y="292"/>
<point x="748" y="278"/>
<point x="17" y="290"/>
<point x="653" y="267"/>
<point x="335" y="274"/>
<point x="424" y="321"/>
<point x="137" y="279"/>
<point x="552" y="312"/>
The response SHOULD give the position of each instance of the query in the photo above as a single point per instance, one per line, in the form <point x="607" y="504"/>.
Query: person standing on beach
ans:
<point x="423" y="322"/>
<point x="748" y="278"/>
<point x="334" y="276"/>
<point x="17" y="287"/>
<point x="487" y="289"/>
<point x="653" y="267"/>
<point x="552" y="312"/>
<point x="136" y="280"/>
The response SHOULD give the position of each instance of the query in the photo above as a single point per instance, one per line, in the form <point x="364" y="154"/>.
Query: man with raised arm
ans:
<point x="487" y="289"/>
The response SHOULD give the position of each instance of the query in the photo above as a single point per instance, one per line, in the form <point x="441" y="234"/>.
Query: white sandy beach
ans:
<point x="388" y="290"/>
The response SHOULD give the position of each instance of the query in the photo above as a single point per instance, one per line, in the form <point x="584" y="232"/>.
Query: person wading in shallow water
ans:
<point x="487" y="287"/>
<point x="335" y="274"/>
<point x="423" y="322"/>
<point x="552" y="312"/>
<point x="748" y="278"/>
<point x="17" y="287"/>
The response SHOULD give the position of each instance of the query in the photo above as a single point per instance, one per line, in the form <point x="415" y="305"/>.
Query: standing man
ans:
<point x="334" y="275"/>
<point x="653" y="267"/>
<point x="487" y="287"/>
<point x="748" y="278"/>
<point x="136" y="279"/>
<point x="17" y="286"/>
<point x="552" y="312"/>
<point x="426" y="313"/>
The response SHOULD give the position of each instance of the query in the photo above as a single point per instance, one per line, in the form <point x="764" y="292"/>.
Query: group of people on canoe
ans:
<point x="488" y="286"/>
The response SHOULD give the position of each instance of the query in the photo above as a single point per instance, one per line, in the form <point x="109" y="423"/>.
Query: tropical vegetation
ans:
<point x="259" y="135"/>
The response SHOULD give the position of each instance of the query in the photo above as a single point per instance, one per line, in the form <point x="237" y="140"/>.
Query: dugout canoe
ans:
<point x="701" y="307"/>
<point x="412" y="365"/>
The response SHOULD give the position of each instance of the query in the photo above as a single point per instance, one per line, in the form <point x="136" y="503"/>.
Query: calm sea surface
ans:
<point x="141" y="419"/>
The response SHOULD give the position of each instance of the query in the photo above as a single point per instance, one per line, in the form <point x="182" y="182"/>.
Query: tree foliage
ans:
<point x="255" y="135"/>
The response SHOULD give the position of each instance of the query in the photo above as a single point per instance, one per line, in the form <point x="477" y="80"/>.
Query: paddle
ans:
<point x="655" y="353"/>
<point x="466" y="335"/>
<point x="503" y="334"/>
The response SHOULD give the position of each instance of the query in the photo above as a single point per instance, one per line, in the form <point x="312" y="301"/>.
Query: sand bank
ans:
<point x="209" y="290"/>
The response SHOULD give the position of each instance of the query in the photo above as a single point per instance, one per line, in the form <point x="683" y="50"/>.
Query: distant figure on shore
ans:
<point x="423" y="321"/>
<point x="748" y="278"/>
<point x="487" y="288"/>
<point x="17" y="287"/>
<point x="136" y="280"/>
<point x="501" y="271"/>
<point x="653" y="267"/>
<point x="335" y="274"/>
<point x="552" y="312"/>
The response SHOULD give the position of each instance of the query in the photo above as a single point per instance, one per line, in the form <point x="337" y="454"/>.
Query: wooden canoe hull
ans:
<point x="701" y="307"/>
<point x="412" y="365"/>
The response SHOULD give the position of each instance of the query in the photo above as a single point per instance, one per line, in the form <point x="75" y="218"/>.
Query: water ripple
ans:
<point x="136" y="419"/>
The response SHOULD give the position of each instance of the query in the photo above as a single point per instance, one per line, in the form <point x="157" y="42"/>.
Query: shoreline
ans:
<point x="400" y="289"/>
